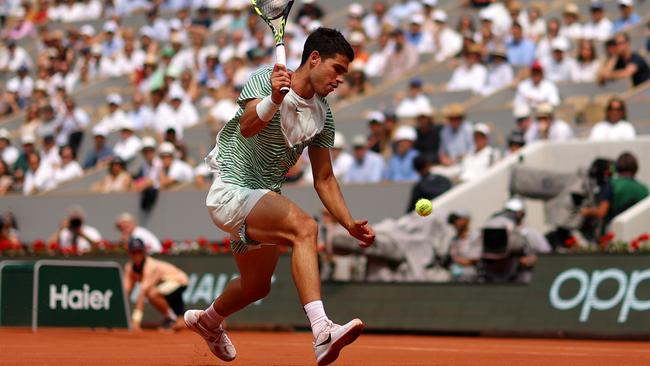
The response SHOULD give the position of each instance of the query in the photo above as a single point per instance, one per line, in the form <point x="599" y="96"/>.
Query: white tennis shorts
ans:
<point x="229" y="205"/>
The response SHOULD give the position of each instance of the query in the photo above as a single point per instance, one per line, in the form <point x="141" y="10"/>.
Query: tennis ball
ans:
<point x="423" y="207"/>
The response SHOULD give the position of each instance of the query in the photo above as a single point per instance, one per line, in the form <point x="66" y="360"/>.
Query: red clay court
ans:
<point x="86" y="347"/>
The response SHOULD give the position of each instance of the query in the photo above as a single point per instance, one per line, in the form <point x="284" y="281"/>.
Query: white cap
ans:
<point x="308" y="1"/>
<point x="521" y="111"/>
<point x="99" y="130"/>
<point x="114" y="98"/>
<point x="96" y="49"/>
<point x="28" y="138"/>
<point x="359" y="140"/>
<point x="4" y="134"/>
<point x="405" y="133"/>
<point x="40" y="85"/>
<point x="176" y="93"/>
<point x="375" y="116"/>
<point x="178" y="37"/>
<point x="175" y="24"/>
<point x="166" y="148"/>
<point x="357" y="38"/>
<point x="431" y="3"/>
<point x="313" y="25"/>
<point x="626" y="2"/>
<point x="483" y="128"/>
<point x="87" y="30"/>
<point x="13" y="85"/>
<point x="355" y="10"/>
<point x="211" y="51"/>
<point x="212" y="84"/>
<point x="147" y="31"/>
<point x="485" y="15"/>
<point x="440" y="16"/>
<point x="110" y="26"/>
<point x="514" y="204"/>
<point x="339" y="141"/>
<point x="417" y="18"/>
<point x="560" y="44"/>
<point x="148" y="142"/>
<point x="545" y="109"/>
<point x="127" y="124"/>
<point x="425" y="110"/>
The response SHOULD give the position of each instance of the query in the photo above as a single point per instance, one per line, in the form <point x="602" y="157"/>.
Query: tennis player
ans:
<point x="253" y="153"/>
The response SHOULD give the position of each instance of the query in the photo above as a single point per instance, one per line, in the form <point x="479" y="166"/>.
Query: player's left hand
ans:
<point x="363" y="232"/>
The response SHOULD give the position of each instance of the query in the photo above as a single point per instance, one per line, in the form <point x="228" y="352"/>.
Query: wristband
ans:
<point x="137" y="316"/>
<point x="266" y="109"/>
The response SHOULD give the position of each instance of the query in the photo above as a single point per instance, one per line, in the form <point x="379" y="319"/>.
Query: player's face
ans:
<point x="328" y="74"/>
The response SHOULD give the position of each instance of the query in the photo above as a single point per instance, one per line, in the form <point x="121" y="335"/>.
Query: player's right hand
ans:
<point x="280" y="78"/>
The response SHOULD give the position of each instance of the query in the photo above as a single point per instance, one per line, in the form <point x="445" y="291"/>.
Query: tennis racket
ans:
<point x="275" y="14"/>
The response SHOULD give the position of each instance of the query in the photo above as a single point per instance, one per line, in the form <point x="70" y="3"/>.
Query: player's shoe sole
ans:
<point x="338" y="338"/>
<point x="217" y="340"/>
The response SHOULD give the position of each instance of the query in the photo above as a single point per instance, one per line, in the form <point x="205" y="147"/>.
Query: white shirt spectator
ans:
<point x="127" y="149"/>
<point x="224" y="110"/>
<point x="600" y="31"/>
<point x="585" y="72"/>
<point x="12" y="62"/>
<point x="9" y="155"/>
<point x="66" y="236"/>
<point x="181" y="171"/>
<point x="606" y="131"/>
<point x="476" y="163"/>
<point x="73" y="13"/>
<point x="409" y="107"/>
<point x="376" y="63"/>
<point x="572" y="32"/>
<point x="110" y="67"/>
<point x="501" y="19"/>
<point x="543" y="51"/>
<point x="165" y="118"/>
<point x="78" y="121"/>
<point x="468" y="78"/>
<point x="150" y="241"/>
<point x="372" y="25"/>
<point x="404" y="9"/>
<point x="533" y="95"/>
<point x="128" y="64"/>
<point x="93" y="9"/>
<point x="536" y="29"/>
<point x="51" y="157"/>
<point x="559" y="71"/>
<point x="558" y="131"/>
<point x="370" y="170"/>
<point x="142" y="118"/>
<point x="113" y="121"/>
<point x="340" y="167"/>
<point x="498" y="76"/>
<point x="67" y="172"/>
<point x="39" y="181"/>
<point x="24" y="87"/>
<point x="448" y="44"/>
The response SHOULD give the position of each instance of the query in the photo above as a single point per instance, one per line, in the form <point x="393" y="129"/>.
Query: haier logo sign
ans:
<point x="587" y="296"/>
<point x="79" y="299"/>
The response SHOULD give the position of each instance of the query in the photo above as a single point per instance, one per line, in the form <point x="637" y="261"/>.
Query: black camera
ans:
<point x="75" y="223"/>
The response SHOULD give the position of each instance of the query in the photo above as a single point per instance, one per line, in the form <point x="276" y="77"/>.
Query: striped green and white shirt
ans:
<point x="261" y="161"/>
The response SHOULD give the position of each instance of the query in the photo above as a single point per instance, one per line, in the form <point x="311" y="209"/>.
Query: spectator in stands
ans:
<point x="628" y="16"/>
<point x="71" y="125"/>
<point x="476" y="163"/>
<point x="48" y="121"/>
<point x="149" y="172"/>
<point x="368" y="166"/>
<point x="402" y="10"/>
<point x="536" y="23"/>
<point x="415" y="100"/>
<point x="600" y="28"/>
<point x="427" y="142"/>
<point x="181" y="149"/>
<point x="69" y="168"/>
<point x="50" y="152"/>
<point x="516" y="141"/>
<point x="615" y="127"/>
<point x="499" y="72"/>
<point x="116" y="115"/>
<point x="544" y="43"/>
<point x="421" y="40"/>
<point x="39" y="177"/>
<point x="464" y="248"/>
<point x="75" y="233"/>
<point x="6" y="178"/>
<point x="117" y="179"/>
<point x="310" y="10"/>
<point x="374" y="22"/>
<point x="9" y="154"/>
<point x="521" y="50"/>
<point x="341" y="160"/>
<point x="626" y="64"/>
<point x="172" y="171"/>
<point x="401" y="58"/>
<point x="14" y="57"/>
<point x="429" y="186"/>
<point x="128" y="227"/>
<point x="548" y="128"/>
<point x="536" y="89"/>
<point x="571" y="29"/>
<point x="456" y="138"/>
<point x="141" y="114"/>
<point x="28" y="146"/>
<point x="560" y="65"/>
<point x="447" y="42"/>
<point x="101" y="153"/>
<point x="620" y="193"/>
<point x="22" y="85"/>
<point x="400" y="164"/>
<point x="128" y="146"/>
<point x="182" y="113"/>
<point x="471" y="74"/>
<point x="112" y="43"/>
<point x="585" y="70"/>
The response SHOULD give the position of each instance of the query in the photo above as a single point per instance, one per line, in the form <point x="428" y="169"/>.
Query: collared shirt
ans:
<point x="66" y="237"/>
<point x="607" y="131"/>
<point x="600" y="31"/>
<point x="456" y="144"/>
<point x="521" y="53"/>
<point x="622" y="24"/>
<point x="559" y="71"/>
<point x="95" y="156"/>
<point x="40" y="180"/>
<point x="369" y="170"/>
<point x="498" y="76"/>
<point x="533" y="95"/>
<point x="558" y="131"/>
<point x="127" y="149"/>
<point x="476" y="163"/>
<point x="400" y="167"/>
<point x="67" y="172"/>
<point x="468" y="78"/>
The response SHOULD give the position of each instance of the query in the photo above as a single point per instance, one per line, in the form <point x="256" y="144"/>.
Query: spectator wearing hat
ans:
<point x="128" y="145"/>
<point x="586" y="67"/>
<point x="172" y="171"/>
<point x="520" y="50"/>
<point x="447" y="42"/>
<point x="74" y="232"/>
<point x="116" y="116"/>
<point x="429" y="186"/>
<point x="182" y="115"/>
<point x="140" y="114"/>
<point x="69" y="168"/>
<point x="599" y="28"/>
<point x="546" y="127"/>
<point x="464" y="248"/>
<point x="309" y="9"/>
<point x="22" y="85"/>
<point x="415" y="100"/>
<point x="560" y="65"/>
<point x="368" y="166"/>
<point x="14" y="57"/>
<point x="427" y="142"/>
<point x="377" y="139"/>
<point x="615" y="127"/>
<point x="112" y="43"/>
<point x="475" y="164"/>
<point x="71" y="125"/>
<point x="9" y="154"/>
<point x="515" y="141"/>
<point x="416" y="35"/>
<point x="401" y="58"/>
<point x="149" y="172"/>
<point x="28" y="143"/>
<point x="117" y="179"/>
<point x="628" y="16"/>
<point x="400" y="164"/>
<point x="626" y="64"/>
<point x="50" y="152"/>
<point x="536" y="90"/>
<point x="571" y="27"/>
<point x="101" y="152"/>
<point x="128" y="227"/>
<point x="499" y="72"/>
<point x="39" y="177"/>
<point x="456" y="138"/>
<point x="161" y="283"/>
<point x="471" y="74"/>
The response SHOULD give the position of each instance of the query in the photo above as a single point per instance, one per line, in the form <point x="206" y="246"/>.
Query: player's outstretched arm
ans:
<point x="330" y="194"/>
<point x="259" y="112"/>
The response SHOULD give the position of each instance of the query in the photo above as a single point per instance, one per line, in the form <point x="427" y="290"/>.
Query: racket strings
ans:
<point x="272" y="8"/>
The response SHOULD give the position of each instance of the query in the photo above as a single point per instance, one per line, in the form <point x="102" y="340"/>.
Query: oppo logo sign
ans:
<point x="587" y="296"/>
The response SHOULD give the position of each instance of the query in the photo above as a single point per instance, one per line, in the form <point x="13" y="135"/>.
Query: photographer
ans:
<point x="74" y="233"/>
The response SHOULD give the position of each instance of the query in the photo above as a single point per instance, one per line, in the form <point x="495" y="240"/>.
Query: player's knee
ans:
<point x="259" y="292"/>
<point x="152" y="292"/>
<point x="306" y="232"/>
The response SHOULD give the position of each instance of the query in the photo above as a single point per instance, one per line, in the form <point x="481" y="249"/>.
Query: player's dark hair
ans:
<point x="626" y="163"/>
<point x="328" y="42"/>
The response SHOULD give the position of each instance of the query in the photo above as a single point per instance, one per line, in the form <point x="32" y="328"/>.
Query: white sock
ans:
<point x="211" y="318"/>
<point x="317" y="318"/>
<point x="171" y="314"/>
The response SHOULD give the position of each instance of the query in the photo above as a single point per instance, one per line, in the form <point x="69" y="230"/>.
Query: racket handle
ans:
<point x="281" y="59"/>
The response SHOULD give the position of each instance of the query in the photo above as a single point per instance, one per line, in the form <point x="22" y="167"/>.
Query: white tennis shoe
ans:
<point x="333" y="338"/>
<point x="217" y="339"/>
